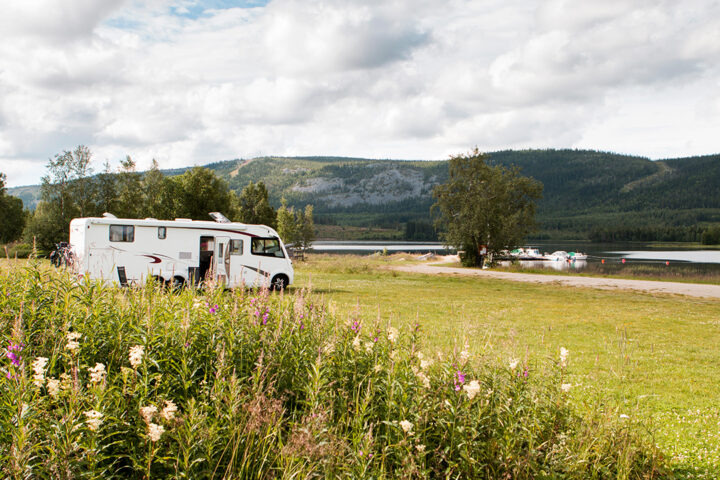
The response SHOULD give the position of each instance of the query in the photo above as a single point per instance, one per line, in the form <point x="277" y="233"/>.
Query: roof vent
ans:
<point x="219" y="217"/>
<point x="108" y="215"/>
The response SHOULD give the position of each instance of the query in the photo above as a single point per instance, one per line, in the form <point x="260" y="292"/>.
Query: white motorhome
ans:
<point x="128" y="251"/>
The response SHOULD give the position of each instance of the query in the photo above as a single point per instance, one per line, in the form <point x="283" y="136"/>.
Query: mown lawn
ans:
<point x="653" y="356"/>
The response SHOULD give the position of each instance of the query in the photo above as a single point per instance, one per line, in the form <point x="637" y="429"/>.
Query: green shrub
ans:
<point x="142" y="383"/>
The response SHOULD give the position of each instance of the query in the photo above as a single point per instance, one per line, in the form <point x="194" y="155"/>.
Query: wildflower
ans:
<point x="12" y="354"/>
<point x="147" y="413"/>
<point x="369" y="346"/>
<point x="38" y="367"/>
<point x="424" y="379"/>
<point x="168" y="413"/>
<point x="392" y="334"/>
<point x="355" y="327"/>
<point x="97" y="373"/>
<point x="356" y="343"/>
<point x="472" y="389"/>
<point x="464" y="355"/>
<point x="136" y="354"/>
<point x="564" y="352"/>
<point x="406" y="426"/>
<point x="72" y="342"/>
<point x="378" y="368"/>
<point x="424" y="364"/>
<point x="94" y="419"/>
<point x="66" y="381"/>
<point x="212" y="309"/>
<point x="420" y="448"/>
<point x="514" y="363"/>
<point x="53" y="387"/>
<point x="155" y="431"/>
<point x="565" y="387"/>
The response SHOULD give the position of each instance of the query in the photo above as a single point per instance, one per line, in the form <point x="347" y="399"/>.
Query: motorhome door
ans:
<point x="221" y="270"/>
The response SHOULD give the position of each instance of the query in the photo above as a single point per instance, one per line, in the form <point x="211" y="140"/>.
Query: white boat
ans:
<point x="558" y="256"/>
<point x="577" y="256"/>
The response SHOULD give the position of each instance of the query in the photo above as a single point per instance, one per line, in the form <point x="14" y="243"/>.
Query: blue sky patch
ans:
<point x="197" y="9"/>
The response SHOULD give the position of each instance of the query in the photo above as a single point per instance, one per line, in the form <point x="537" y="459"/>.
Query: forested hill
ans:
<point x="604" y="196"/>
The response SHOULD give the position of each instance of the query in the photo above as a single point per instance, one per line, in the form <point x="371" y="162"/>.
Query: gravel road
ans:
<point x="648" y="286"/>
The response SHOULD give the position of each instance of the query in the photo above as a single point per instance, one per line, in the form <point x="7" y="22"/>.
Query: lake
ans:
<point x="606" y="254"/>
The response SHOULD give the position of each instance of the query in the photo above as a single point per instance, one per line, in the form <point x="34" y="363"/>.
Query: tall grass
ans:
<point x="145" y="383"/>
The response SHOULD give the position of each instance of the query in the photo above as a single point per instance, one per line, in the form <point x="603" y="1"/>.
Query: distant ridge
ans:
<point x="586" y="192"/>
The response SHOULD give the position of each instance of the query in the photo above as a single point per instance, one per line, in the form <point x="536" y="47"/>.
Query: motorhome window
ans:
<point x="269" y="247"/>
<point x="122" y="233"/>
<point x="236" y="247"/>
<point x="162" y="233"/>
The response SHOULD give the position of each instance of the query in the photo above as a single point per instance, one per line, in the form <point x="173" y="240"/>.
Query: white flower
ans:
<point x="424" y="379"/>
<point x="392" y="334"/>
<point x="155" y="431"/>
<point x="472" y="389"/>
<point x="420" y="448"/>
<point x="464" y="355"/>
<point x="564" y="352"/>
<point x="514" y="363"/>
<point x="148" y="412"/>
<point x="356" y="344"/>
<point x="136" y="355"/>
<point x="38" y="367"/>
<point x="53" y="387"/>
<point x="97" y="373"/>
<point x="168" y="413"/>
<point x="565" y="387"/>
<point x="420" y="355"/>
<point x="425" y="364"/>
<point x="369" y="346"/>
<point x="406" y="426"/>
<point x="72" y="341"/>
<point x="66" y="381"/>
<point x="94" y="419"/>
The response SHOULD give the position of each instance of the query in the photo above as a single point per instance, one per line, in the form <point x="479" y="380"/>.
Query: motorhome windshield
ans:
<point x="269" y="247"/>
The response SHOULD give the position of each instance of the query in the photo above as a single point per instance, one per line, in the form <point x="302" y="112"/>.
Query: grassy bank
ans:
<point x="652" y="355"/>
<point x="102" y="382"/>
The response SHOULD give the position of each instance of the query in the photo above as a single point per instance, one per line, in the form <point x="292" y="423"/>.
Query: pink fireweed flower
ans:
<point x="459" y="380"/>
<point x="355" y="327"/>
<point x="12" y="354"/>
<point x="212" y="309"/>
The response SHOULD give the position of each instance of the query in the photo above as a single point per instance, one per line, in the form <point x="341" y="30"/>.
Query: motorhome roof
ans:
<point x="180" y="222"/>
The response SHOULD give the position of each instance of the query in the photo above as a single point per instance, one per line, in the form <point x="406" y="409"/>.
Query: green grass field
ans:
<point x="652" y="356"/>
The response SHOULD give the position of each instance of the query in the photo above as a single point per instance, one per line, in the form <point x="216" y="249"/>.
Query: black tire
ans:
<point x="278" y="283"/>
<point x="177" y="283"/>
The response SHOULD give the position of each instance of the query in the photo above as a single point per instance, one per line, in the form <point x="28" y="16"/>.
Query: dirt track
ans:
<point x="648" y="286"/>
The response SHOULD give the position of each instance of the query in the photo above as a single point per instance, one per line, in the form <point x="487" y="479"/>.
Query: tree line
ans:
<point x="71" y="189"/>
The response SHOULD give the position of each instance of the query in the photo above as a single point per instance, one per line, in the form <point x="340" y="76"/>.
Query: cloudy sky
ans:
<point x="190" y="82"/>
